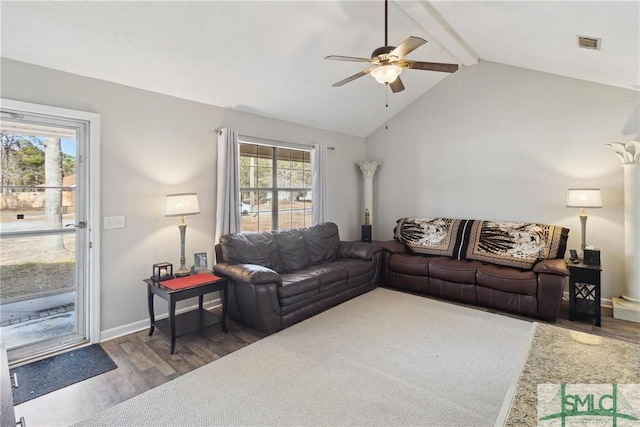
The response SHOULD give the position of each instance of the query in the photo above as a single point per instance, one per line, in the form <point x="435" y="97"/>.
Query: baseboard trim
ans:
<point x="130" y="328"/>
<point x="140" y="325"/>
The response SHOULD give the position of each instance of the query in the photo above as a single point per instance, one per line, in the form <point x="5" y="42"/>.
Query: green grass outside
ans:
<point x="33" y="277"/>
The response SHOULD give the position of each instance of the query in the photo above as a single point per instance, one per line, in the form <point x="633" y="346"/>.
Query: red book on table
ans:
<point x="189" y="281"/>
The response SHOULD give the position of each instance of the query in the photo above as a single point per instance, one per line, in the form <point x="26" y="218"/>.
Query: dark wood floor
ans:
<point x="144" y="362"/>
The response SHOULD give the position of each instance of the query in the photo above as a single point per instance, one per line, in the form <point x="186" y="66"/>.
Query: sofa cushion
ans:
<point x="326" y="273"/>
<point x="453" y="270"/>
<point x="515" y="244"/>
<point x="353" y="267"/>
<point x="410" y="264"/>
<point x="252" y="248"/>
<point x="297" y="283"/>
<point x="358" y="250"/>
<point x="507" y="279"/>
<point x="322" y="242"/>
<point x="432" y="236"/>
<point x="526" y="305"/>
<point x="330" y="275"/>
<point x="292" y="250"/>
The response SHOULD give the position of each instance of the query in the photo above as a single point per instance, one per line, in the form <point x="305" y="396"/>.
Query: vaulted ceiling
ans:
<point x="267" y="57"/>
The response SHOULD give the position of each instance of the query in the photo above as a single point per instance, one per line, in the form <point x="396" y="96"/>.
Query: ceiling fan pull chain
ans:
<point x="386" y="107"/>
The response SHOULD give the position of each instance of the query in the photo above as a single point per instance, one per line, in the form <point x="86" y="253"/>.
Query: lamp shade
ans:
<point x="182" y="204"/>
<point x="386" y="73"/>
<point x="584" y="198"/>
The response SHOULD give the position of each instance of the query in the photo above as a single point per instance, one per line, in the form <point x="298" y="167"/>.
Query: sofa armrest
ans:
<point x="393" y="246"/>
<point x="552" y="266"/>
<point x="248" y="273"/>
<point x="358" y="250"/>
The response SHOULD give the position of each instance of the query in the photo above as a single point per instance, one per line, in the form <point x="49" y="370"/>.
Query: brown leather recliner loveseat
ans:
<point x="509" y="266"/>
<point x="278" y="278"/>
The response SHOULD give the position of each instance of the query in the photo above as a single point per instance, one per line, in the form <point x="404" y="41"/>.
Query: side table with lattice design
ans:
<point x="584" y="291"/>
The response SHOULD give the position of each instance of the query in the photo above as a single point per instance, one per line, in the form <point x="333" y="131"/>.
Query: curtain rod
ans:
<point x="219" y="132"/>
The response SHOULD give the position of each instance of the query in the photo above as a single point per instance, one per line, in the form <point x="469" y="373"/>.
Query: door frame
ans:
<point x="92" y="156"/>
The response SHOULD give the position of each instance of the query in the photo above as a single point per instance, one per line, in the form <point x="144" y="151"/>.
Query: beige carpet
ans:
<point x="383" y="358"/>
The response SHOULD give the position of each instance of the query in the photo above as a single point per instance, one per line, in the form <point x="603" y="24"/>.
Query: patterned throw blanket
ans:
<point x="512" y="244"/>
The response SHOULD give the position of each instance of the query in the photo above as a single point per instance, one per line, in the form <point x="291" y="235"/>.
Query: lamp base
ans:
<point x="626" y="310"/>
<point x="183" y="271"/>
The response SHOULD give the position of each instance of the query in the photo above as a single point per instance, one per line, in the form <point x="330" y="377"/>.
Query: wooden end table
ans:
<point x="584" y="291"/>
<point x="180" y="289"/>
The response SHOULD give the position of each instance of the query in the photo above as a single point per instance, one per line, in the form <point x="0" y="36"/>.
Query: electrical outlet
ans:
<point x="113" y="222"/>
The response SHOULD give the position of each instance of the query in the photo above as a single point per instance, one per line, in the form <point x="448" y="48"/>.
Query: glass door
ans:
<point x="43" y="234"/>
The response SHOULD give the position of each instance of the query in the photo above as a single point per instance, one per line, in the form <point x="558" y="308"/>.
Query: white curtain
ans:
<point x="319" y="184"/>
<point x="228" y="193"/>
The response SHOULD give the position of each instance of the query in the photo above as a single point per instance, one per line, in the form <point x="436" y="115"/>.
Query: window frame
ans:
<point x="274" y="189"/>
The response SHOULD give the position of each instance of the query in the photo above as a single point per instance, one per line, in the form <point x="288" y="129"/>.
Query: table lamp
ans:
<point x="182" y="204"/>
<point x="584" y="198"/>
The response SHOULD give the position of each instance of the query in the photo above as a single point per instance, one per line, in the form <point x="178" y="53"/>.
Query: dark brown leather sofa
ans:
<point x="279" y="278"/>
<point x="464" y="273"/>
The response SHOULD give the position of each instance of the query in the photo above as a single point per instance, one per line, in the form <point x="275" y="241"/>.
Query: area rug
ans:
<point x="562" y="356"/>
<point x="383" y="358"/>
<point x="47" y="375"/>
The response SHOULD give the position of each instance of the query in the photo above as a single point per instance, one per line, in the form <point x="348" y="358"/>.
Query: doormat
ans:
<point x="47" y="375"/>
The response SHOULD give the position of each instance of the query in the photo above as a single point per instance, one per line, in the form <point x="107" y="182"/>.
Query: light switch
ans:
<point x="113" y="222"/>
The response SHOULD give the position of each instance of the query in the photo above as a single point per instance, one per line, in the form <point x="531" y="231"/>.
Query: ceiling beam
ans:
<point x="425" y="15"/>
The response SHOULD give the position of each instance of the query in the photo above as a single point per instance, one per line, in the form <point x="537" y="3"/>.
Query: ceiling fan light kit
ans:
<point x="386" y="74"/>
<point x="388" y="61"/>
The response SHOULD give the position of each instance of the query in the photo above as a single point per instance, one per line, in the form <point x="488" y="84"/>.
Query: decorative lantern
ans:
<point x="162" y="271"/>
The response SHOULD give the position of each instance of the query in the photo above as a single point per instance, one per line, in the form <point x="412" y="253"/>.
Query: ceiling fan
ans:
<point x="388" y="61"/>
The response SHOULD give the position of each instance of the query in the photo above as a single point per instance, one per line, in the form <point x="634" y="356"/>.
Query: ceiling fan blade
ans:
<point x="396" y="85"/>
<point x="430" y="66"/>
<point x="352" y="78"/>
<point x="407" y="46"/>
<point x="349" y="58"/>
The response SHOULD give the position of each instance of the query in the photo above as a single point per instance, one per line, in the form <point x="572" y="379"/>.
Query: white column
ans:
<point x="368" y="169"/>
<point x="628" y="307"/>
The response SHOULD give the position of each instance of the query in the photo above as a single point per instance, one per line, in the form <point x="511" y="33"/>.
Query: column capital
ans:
<point x="368" y="169"/>
<point x="627" y="152"/>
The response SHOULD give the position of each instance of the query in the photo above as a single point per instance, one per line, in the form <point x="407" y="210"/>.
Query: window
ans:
<point x="275" y="187"/>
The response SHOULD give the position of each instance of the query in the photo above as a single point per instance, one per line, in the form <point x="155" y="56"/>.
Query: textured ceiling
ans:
<point x="266" y="57"/>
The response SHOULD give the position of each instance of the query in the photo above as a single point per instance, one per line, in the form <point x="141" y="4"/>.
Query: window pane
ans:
<point x="265" y="154"/>
<point x="264" y="177"/>
<point x="248" y="172"/>
<point x="284" y="157"/>
<point x="248" y="150"/>
<point x="297" y="179"/>
<point x="284" y="210"/>
<point x="249" y="222"/>
<point x="294" y="211"/>
<point x="265" y="198"/>
<point x="265" y="163"/>
<point x="284" y="178"/>
<point x="264" y="221"/>
<point x="256" y="166"/>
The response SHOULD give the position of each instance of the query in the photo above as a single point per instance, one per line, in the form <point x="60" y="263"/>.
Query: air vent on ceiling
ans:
<point x="588" y="42"/>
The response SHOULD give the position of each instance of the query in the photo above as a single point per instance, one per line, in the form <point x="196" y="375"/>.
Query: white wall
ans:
<point x="499" y="142"/>
<point x="153" y="145"/>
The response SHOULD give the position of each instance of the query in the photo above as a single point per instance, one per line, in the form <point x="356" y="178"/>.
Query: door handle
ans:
<point x="81" y="224"/>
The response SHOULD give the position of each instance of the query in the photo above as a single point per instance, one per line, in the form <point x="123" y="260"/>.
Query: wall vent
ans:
<point x="588" y="43"/>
